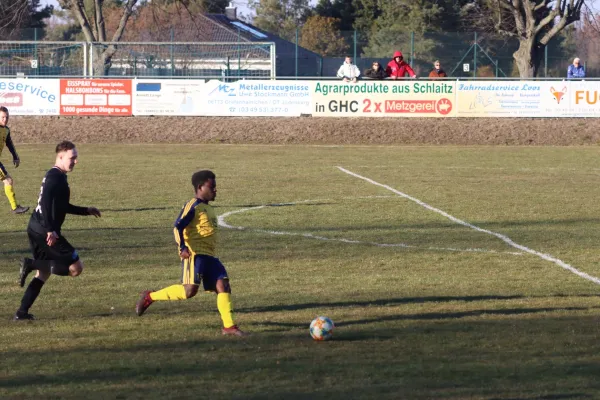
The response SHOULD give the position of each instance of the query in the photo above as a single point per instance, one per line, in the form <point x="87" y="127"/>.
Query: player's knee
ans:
<point x="76" y="269"/>
<point x="190" y="291"/>
<point x="43" y="275"/>
<point x="8" y="181"/>
<point x="223" y="286"/>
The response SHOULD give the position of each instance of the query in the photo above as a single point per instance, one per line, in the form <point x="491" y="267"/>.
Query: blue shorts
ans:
<point x="200" y="267"/>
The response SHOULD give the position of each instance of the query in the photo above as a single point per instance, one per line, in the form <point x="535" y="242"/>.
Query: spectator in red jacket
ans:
<point x="397" y="68"/>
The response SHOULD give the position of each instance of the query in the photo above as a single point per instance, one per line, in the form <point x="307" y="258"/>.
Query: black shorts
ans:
<point x="62" y="251"/>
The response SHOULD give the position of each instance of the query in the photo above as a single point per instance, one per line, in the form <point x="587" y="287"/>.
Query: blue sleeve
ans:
<point x="183" y="220"/>
<point x="582" y="73"/>
<point x="570" y="71"/>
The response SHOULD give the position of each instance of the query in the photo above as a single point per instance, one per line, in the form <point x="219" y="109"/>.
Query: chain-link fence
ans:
<point x="462" y="55"/>
<point x="138" y="59"/>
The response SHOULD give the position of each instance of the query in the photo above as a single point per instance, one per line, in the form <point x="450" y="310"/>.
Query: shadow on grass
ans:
<point x="391" y="302"/>
<point x="438" y="316"/>
<point x="137" y="209"/>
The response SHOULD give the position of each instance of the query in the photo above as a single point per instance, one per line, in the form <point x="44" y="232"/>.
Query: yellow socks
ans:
<point x="224" y="306"/>
<point x="10" y="193"/>
<point x="175" y="292"/>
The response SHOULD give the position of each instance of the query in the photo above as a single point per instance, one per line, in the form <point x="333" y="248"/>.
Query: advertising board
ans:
<point x="384" y="99"/>
<point x="168" y="97"/>
<point x="30" y="96"/>
<point x="257" y="98"/>
<point x="95" y="97"/>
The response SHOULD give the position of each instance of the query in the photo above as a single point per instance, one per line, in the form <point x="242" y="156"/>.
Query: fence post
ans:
<point x="273" y="60"/>
<point x="354" y="56"/>
<point x="239" y="55"/>
<point x="412" y="48"/>
<point x="85" y="59"/>
<point x="475" y="57"/>
<point x="296" y="57"/>
<point x="91" y="60"/>
<point x="35" y="51"/>
<point x="172" y="53"/>
<point x="546" y="61"/>
<point x="320" y="66"/>
<point x="496" y="68"/>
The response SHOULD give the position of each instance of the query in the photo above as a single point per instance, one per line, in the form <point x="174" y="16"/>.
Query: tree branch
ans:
<point x="520" y="23"/>
<point x="529" y="18"/>
<point x="123" y="22"/>
<point x="100" y="29"/>
<point x="78" y="8"/>
<point x="549" y="18"/>
<point x="543" y="4"/>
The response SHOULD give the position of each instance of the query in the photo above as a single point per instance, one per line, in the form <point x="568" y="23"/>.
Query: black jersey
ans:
<point x="53" y="204"/>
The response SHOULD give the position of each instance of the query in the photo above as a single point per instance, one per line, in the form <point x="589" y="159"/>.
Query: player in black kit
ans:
<point x="52" y="253"/>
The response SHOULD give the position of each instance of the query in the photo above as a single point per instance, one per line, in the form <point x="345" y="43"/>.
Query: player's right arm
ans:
<point x="183" y="220"/>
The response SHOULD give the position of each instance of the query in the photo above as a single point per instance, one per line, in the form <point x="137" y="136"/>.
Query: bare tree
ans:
<point x="532" y="22"/>
<point x="13" y="15"/>
<point x="91" y="20"/>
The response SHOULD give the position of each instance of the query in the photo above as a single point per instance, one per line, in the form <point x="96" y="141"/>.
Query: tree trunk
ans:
<point x="103" y="61"/>
<point x="529" y="58"/>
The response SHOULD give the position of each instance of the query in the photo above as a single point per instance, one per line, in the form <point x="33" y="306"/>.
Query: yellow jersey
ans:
<point x="196" y="228"/>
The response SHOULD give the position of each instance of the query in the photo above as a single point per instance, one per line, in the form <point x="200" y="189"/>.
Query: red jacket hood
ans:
<point x="397" y="54"/>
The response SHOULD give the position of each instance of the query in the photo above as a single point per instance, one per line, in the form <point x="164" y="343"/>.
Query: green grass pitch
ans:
<point x="425" y="308"/>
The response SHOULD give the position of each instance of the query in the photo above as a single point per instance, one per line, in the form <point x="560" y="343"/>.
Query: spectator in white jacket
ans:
<point x="348" y="71"/>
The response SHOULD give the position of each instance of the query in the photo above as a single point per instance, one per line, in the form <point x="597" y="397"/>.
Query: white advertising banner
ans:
<point x="512" y="99"/>
<point x="384" y="99"/>
<point x="168" y="97"/>
<point x="30" y="96"/>
<point x="583" y="98"/>
<point x="257" y="98"/>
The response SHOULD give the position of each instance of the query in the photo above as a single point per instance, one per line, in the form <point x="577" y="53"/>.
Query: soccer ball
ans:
<point x="321" y="328"/>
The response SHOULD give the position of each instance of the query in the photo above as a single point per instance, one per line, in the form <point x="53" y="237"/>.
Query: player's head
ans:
<point x="66" y="156"/>
<point x="3" y="116"/>
<point x="205" y="185"/>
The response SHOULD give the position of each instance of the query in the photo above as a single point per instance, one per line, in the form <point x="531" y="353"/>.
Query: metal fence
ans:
<point x="462" y="55"/>
<point x="137" y="59"/>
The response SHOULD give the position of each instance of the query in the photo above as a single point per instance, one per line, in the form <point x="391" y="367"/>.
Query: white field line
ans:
<point x="543" y="169"/>
<point x="224" y="224"/>
<point x="504" y="238"/>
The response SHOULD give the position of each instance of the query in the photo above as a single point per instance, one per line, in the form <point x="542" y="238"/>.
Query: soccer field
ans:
<point x="450" y="273"/>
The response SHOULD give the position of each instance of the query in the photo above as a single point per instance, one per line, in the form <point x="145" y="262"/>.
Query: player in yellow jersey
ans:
<point x="196" y="234"/>
<point x="4" y="176"/>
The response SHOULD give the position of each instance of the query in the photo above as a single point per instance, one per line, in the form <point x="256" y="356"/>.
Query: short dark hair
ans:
<point x="3" y="109"/>
<point x="199" y="178"/>
<point x="65" y="145"/>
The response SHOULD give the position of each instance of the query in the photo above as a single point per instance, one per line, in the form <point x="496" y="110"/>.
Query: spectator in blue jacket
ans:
<point x="576" y="70"/>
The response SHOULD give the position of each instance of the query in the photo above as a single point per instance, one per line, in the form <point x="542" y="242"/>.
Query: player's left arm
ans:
<point x="11" y="147"/>
<point x="183" y="220"/>
<point x="77" y="210"/>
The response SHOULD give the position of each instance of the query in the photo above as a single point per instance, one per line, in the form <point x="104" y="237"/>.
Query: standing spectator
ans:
<point x="375" y="72"/>
<point x="576" y="70"/>
<point x="397" y="68"/>
<point x="348" y="71"/>
<point x="437" y="71"/>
